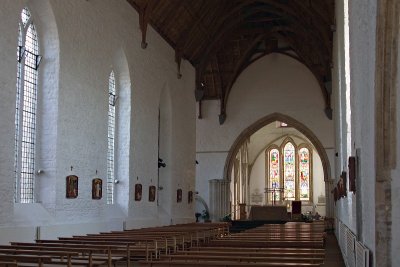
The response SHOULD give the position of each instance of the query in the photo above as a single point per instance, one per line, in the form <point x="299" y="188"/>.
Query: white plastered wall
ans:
<point x="274" y="83"/>
<point x="362" y="27"/>
<point x="86" y="40"/>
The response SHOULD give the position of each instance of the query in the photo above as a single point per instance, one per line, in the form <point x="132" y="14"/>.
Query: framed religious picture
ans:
<point x="179" y="195"/>
<point x="190" y="197"/>
<point x="340" y="188"/>
<point x="335" y="194"/>
<point x="152" y="193"/>
<point x="97" y="188"/>
<point x="71" y="186"/>
<point x="138" y="192"/>
<point x="343" y="183"/>
<point x="352" y="174"/>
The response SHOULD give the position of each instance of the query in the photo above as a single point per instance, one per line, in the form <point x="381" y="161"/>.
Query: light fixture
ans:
<point x="161" y="163"/>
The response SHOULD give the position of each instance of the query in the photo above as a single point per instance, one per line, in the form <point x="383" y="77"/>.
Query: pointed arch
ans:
<point x="26" y="109"/>
<point x="123" y="122"/>
<point x="47" y="102"/>
<point x="246" y="133"/>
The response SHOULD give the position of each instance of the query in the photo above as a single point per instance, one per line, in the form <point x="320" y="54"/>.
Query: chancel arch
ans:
<point x="292" y="160"/>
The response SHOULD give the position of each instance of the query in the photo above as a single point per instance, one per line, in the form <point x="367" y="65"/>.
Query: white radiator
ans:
<point x="350" y="241"/>
<point x="355" y="254"/>
<point x="362" y="255"/>
<point x="342" y="239"/>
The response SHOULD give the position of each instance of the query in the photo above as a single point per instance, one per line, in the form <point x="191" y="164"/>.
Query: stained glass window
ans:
<point x="293" y="165"/>
<point x="111" y="139"/>
<point x="304" y="173"/>
<point x="274" y="173"/>
<point x="25" y="111"/>
<point x="289" y="170"/>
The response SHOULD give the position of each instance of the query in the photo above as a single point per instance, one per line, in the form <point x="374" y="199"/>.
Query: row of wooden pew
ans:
<point x="273" y="245"/>
<point x="205" y="244"/>
<point x="111" y="248"/>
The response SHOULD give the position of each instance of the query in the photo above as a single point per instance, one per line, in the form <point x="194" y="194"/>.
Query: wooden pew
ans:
<point x="263" y="253"/>
<point x="231" y="242"/>
<point x="62" y="255"/>
<point x="90" y="254"/>
<point x="225" y="263"/>
<point x="166" y="243"/>
<point x="8" y="264"/>
<point x="143" y="248"/>
<point x="244" y="258"/>
<point x="40" y="260"/>
<point x="267" y="249"/>
<point x="269" y="245"/>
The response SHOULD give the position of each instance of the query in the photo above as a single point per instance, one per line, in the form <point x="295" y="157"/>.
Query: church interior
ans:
<point x="132" y="114"/>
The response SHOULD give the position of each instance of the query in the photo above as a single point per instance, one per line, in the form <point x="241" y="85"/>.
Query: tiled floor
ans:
<point x="333" y="255"/>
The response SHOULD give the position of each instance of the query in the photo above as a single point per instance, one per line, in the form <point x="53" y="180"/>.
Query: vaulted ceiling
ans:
<point x="222" y="37"/>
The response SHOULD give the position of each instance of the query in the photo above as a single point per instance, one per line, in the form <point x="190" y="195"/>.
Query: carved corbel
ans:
<point x="178" y="60"/>
<point x="144" y="19"/>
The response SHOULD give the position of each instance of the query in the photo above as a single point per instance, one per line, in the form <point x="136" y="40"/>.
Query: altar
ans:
<point x="269" y="213"/>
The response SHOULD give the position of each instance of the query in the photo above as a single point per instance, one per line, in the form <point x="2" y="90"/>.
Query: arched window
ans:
<point x="274" y="174"/>
<point x="304" y="173"/>
<point x="111" y="139"/>
<point x="289" y="171"/>
<point x="26" y="104"/>
<point x="289" y="167"/>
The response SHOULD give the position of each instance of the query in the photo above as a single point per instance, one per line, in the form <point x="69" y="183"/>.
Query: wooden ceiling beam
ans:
<point x="309" y="24"/>
<point x="296" y="11"/>
<point x="235" y="25"/>
<point x="144" y="18"/>
<point x="232" y="26"/>
<point x="188" y="35"/>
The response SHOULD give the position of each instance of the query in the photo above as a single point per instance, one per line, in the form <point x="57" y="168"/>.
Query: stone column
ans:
<point x="219" y="199"/>
<point x="386" y="90"/>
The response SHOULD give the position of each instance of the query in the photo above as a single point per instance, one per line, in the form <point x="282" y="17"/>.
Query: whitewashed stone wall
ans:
<point x="82" y="41"/>
<point x="362" y="25"/>
<point x="274" y="83"/>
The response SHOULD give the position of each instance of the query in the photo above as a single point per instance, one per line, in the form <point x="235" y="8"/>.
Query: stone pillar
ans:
<point x="386" y="90"/>
<point x="219" y="199"/>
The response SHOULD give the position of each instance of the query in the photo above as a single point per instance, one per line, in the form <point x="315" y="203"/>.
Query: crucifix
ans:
<point x="273" y="190"/>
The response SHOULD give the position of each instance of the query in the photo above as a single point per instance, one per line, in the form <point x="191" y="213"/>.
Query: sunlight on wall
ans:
<point x="347" y="75"/>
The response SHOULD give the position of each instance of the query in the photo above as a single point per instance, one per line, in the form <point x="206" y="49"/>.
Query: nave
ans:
<point x="193" y="244"/>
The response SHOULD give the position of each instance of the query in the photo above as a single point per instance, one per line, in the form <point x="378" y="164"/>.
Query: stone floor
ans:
<point x="333" y="255"/>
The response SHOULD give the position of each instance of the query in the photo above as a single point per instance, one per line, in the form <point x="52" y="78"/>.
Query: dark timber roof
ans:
<point x="222" y="37"/>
